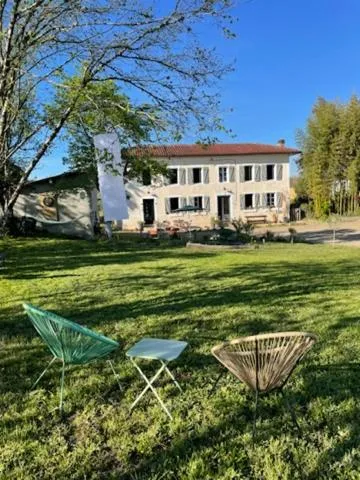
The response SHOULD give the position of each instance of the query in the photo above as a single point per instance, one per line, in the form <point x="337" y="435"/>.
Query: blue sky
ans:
<point x="288" y="52"/>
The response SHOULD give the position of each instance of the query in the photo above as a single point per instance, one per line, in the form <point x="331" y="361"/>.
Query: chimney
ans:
<point x="281" y="143"/>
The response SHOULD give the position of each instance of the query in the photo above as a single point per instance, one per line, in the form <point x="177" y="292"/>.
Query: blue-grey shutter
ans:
<point x="191" y="201"/>
<point x="206" y="205"/>
<point x="205" y="172"/>
<point x="231" y="174"/>
<point x="257" y="200"/>
<point x="242" y="202"/>
<point x="242" y="173"/>
<point x="182" y="202"/>
<point x="167" y="205"/>
<point x="264" y="197"/>
<point x="279" y="172"/>
<point x="257" y="173"/>
<point x="182" y="175"/>
<point x="278" y="199"/>
<point x="190" y="176"/>
<point x="263" y="172"/>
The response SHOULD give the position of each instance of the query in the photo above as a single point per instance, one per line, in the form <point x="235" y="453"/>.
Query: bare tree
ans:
<point x="152" y="52"/>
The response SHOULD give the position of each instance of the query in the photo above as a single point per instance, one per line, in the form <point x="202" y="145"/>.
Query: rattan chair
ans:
<point x="69" y="342"/>
<point x="264" y="362"/>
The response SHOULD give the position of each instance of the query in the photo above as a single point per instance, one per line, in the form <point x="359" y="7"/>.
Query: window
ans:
<point x="249" y="200"/>
<point x="173" y="176"/>
<point x="198" y="202"/>
<point x="174" y="204"/>
<point x="270" y="172"/>
<point x="146" y="177"/>
<point x="248" y="174"/>
<point x="223" y="174"/>
<point x="196" y="175"/>
<point x="270" y="199"/>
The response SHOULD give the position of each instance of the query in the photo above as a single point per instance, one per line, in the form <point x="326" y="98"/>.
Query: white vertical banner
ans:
<point x="111" y="183"/>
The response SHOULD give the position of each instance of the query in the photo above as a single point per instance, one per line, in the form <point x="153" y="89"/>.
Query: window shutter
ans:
<point x="257" y="173"/>
<point x="205" y="172"/>
<point x="264" y="198"/>
<point x="167" y="205"/>
<point x="242" y="202"/>
<point x="166" y="180"/>
<point x="206" y="203"/>
<point x="190" y="176"/>
<point x="257" y="200"/>
<point x="279" y="172"/>
<point x="231" y="174"/>
<point x="278" y="199"/>
<point x="242" y="173"/>
<point x="263" y="173"/>
<point x="191" y="201"/>
<point x="182" y="174"/>
<point x="182" y="202"/>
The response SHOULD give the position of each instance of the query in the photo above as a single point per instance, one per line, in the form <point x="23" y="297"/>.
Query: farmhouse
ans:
<point x="223" y="181"/>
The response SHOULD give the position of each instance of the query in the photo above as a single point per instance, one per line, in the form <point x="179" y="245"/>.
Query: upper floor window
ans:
<point x="248" y="173"/>
<point x="223" y="174"/>
<point x="198" y="202"/>
<point x="173" y="176"/>
<point x="270" y="172"/>
<point x="197" y="175"/>
<point x="270" y="199"/>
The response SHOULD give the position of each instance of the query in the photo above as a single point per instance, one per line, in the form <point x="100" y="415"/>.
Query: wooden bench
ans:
<point x="256" y="219"/>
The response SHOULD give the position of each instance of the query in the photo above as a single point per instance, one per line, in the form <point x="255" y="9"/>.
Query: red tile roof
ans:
<point x="196" y="150"/>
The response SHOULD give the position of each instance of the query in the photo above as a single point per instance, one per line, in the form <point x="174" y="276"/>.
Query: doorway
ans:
<point x="149" y="211"/>
<point x="223" y="204"/>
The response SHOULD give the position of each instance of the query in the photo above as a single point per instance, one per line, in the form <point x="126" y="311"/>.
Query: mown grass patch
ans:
<point x="129" y="291"/>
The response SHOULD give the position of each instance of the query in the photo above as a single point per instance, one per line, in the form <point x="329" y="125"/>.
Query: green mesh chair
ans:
<point x="69" y="342"/>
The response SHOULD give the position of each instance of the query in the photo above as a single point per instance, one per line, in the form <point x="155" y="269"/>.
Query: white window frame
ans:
<point x="253" y="202"/>
<point x="274" y="172"/>
<point x="252" y="173"/>
<point x="178" y="178"/>
<point x="227" y="173"/>
<point x="270" y="193"/>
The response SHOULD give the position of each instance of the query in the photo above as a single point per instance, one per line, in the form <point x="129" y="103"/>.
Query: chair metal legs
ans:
<point x="43" y="373"/>
<point x="255" y="417"/>
<point x="292" y="412"/>
<point x="289" y="407"/>
<point x="62" y="386"/>
<point x="115" y="374"/>
<point x="62" y="378"/>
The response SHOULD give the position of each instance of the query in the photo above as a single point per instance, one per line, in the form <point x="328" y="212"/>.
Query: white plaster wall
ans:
<point x="74" y="207"/>
<point x="159" y="192"/>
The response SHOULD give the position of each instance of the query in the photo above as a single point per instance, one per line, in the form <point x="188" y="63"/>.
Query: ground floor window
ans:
<point x="174" y="204"/>
<point x="198" y="202"/>
<point x="249" y="200"/>
<point x="270" y="199"/>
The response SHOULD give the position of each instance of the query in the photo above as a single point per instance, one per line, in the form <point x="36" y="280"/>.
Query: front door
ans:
<point x="149" y="211"/>
<point x="224" y="208"/>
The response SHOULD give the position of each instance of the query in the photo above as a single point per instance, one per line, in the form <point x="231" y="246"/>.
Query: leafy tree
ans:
<point x="151" y="50"/>
<point x="102" y="108"/>
<point x="330" y="162"/>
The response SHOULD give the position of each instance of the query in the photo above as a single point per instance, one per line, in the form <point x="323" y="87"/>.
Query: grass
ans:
<point x="129" y="291"/>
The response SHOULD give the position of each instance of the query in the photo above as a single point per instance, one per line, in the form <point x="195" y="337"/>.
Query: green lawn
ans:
<point x="130" y="291"/>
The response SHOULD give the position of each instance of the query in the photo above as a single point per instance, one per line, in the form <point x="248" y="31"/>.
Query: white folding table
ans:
<point x="165" y="351"/>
